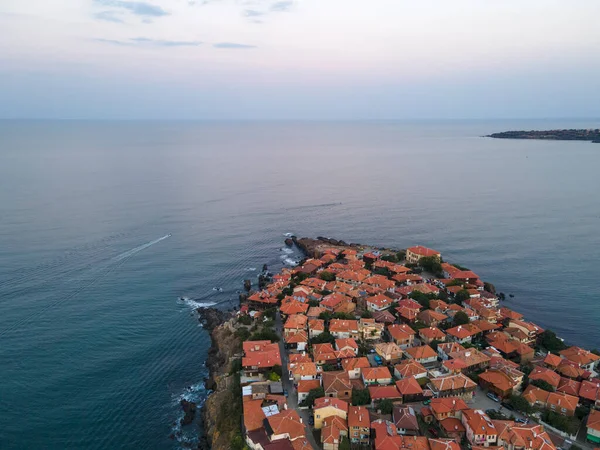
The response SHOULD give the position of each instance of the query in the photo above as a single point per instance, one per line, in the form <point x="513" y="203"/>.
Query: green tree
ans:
<point x="422" y="299"/>
<point x="431" y="264"/>
<point x="329" y="368"/>
<point x="343" y="316"/>
<point x="460" y="318"/>
<point x="462" y="295"/>
<point x="390" y="258"/>
<point x="386" y="406"/>
<point x="595" y="351"/>
<point x="242" y="334"/>
<point x="323" y="338"/>
<point x="266" y="334"/>
<point x="360" y="397"/>
<point x="367" y="314"/>
<point x="542" y="384"/>
<point x="401" y="255"/>
<point x="549" y="341"/>
<point x="313" y="394"/>
<point x="274" y="377"/>
<point x="326" y="316"/>
<point x="434" y="344"/>
<point x="314" y="303"/>
<point x="519" y="403"/>
<point x="489" y="287"/>
<point x="582" y="411"/>
<point x="327" y="276"/>
<point x="344" y="444"/>
<point x="245" y="319"/>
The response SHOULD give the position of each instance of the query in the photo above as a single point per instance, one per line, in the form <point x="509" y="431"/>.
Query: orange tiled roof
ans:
<point x="287" y="421"/>
<point x="410" y="368"/>
<point x="579" y="355"/>
<point x="324" y="402"/>
<point x="422" y="352"/>
<point x="423" y="251"/>
<point x="376" y="373"/>
<point x="409" y="386"/>
<point x="358" y="417"/>
<point x="355" y="363"/>
<point x="253" y="415"/>
<point x="304" y="386"/>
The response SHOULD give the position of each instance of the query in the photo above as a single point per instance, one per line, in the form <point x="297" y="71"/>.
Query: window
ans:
<point x="318" y="416"/>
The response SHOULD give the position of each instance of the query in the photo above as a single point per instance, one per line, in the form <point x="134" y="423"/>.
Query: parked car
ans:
<point x="427" y="402"/>
<point x="311" y="420"/>
<point x="378" y="360"/>
<point x="523" y="421"/>
<point x="285" y="392"/>
<point x="508" y="406"/>
<point x="493" y="397"/>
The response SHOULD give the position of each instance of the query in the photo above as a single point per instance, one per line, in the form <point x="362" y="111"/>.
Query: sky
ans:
<point x="299" y="59"/>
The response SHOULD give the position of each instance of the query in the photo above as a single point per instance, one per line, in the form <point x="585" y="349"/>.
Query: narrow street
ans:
<point x="288" y="385"/>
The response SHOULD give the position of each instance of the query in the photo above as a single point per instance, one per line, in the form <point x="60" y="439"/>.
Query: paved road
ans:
<point x="292" y="399"/>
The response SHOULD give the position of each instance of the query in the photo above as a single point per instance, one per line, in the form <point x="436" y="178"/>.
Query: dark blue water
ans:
<point x="96" y="349"/>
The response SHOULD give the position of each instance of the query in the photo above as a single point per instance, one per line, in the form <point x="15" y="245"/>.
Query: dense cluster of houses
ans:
<point x="351" y="325"/>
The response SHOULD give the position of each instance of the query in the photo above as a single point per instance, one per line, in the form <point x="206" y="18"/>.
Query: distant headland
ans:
<point x="553" y="135"/>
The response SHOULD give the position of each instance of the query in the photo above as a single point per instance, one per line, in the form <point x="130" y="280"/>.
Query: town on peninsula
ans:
<point x="359" y="347"/>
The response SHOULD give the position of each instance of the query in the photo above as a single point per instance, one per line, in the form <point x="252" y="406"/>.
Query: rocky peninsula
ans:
<point x="552" y="135"/>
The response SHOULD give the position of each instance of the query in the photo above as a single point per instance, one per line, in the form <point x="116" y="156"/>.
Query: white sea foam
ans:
<point x="286" y="250"/>
<point x="194" y="304"/>
<point x="250" y="269"/>
<point x="289" y="261"/>
<point x="288" y="234"/>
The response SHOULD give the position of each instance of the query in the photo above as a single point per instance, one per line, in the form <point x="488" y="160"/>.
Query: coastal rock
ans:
<point x="289" y="242"/>
<point x="189" y="409"/>
<point x="247" y="285"/>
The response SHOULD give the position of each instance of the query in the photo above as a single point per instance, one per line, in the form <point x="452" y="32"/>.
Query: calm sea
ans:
<point x="103" y="226"/>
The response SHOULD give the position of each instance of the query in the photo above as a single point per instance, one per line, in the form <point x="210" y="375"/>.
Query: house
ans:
<point x="473" y="359"/>
<point x="410" y="368"/>
<point x="324" y="354"/>
<point x="376" y="375"/>
<point x="449" y="407"/>
<point x="570" y="369"/>
<point x="354" y="366"/>
<point x="379" y="393"/>
<point x="293" y="306"/>
<point x="369" y="329"/>
<point x="285" y="424"/>
<point x="423" y="354"/>
<point x="260" y="357"/>
<point x="531" y="330"/>
<point x="380" y="281"/>
<point x="480" y="429"/>
<point x="498" y="382"/>
<point x="463" y="334"/>
<point x="589" y="391"/>
<point x="593" y="427"/>
<point x="346" y="345"/>
<point x="405" y="419"/>
<point x="555" y="401"/>
<point x="431" y="318"/>
<point x="389" y="352"/>
<point x="414" y="254"/>
<point x="315" y="327"/>
<point x="353" y="277"/>
<point x="294" y="324"/>
<point x="341" y="329"/>
<point x="402" y="335"/>
<point x="334" y="428"/>
<point x="453" y="366"/>
<point x="410" y="390"/>
<point x="297" y="341"/>
<point x="448" y="347"/>
<point x="337" y="385"/>
<point x="544" y="374"/>
<point x="569" y="386"/>
<point x="428" y="335"/>
<point x="303" y="371"/>
<point x="583" y="358"/>
<point x="378" y="302"/>
<point x="305" y="386"/>
<point x="452" y="386"/>
<point x="408" y="315"/>
<point x="332" y="301"/>
<point x="253" y="414"/>
<point x="327" y="407"/>
<point x="552" y="361"/>
<point x="510" y="347"/>
<point x="514" y="436"/>
<point x="359" y="425"/>
<point x="262" y="300"/>
<point x="384" y="317"/>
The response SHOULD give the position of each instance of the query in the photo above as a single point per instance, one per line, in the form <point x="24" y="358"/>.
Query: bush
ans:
<point x="242" y="334"/>
<point x="401" y="255"/>
<point x="266" y="334"/>
<point x="314" y="303"/>
<point x="329" y="368"/>
<point x="367" y="315"/>
<point x="326" y="316"/>
<point x="245" y="320"/>
<point x="390" y="258"/>
<point x="327" y="276"/>
<point x="360" y="397"/>
<point x="270" y="313"/>
<point x="489" y="287"/>
<point x="343" y="316"/>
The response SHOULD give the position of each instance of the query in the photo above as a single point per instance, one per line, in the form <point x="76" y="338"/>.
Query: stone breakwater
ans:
<point x="221" y="414"/>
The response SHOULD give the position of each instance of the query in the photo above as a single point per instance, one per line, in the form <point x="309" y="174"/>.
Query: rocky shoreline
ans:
<point x="551" y="135"/>
<point x="225" y="345"/>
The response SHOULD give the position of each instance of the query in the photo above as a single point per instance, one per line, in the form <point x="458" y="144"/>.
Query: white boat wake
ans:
<point x="133" y="251"/>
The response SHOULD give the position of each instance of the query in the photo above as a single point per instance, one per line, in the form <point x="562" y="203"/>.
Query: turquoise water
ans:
<point x="96" y="350"/>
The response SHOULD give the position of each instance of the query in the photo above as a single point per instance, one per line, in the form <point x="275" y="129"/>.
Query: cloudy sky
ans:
<point x="299" y="59"/>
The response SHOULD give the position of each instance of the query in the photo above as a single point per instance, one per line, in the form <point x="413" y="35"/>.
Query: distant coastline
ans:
<point x="592" y="135"/>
